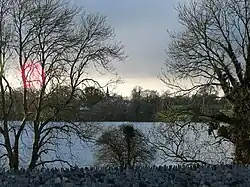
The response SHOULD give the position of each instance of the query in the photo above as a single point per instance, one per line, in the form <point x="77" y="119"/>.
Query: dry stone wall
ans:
<point x="163" y="176"/>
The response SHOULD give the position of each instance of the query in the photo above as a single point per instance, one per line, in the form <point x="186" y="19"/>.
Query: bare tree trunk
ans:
<point x="5" y="130"/>
<point x="15" y="155"/>
<point x="242" y="152"/>
<point x="35" y="149"/>
<point x="242" y="129"/>
<point x="34" y="158"/>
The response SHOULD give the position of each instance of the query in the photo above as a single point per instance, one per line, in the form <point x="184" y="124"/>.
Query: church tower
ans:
<point x="107" y="92"/>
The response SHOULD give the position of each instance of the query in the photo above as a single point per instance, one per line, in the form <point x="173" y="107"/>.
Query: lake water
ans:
<point x="81" y="153"/>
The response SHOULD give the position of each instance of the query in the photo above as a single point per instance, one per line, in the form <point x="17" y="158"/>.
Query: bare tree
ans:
<point x="124" y="146"/>
<point x="64" y="40"/>
<point x="214" y="50"/>
<point x="187" y="143"/>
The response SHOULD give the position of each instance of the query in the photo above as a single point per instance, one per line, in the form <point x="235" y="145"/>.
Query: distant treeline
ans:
<point x="92" y="104"/>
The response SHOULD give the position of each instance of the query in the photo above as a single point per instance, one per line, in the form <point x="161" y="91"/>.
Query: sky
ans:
<point x="141" y="25"/>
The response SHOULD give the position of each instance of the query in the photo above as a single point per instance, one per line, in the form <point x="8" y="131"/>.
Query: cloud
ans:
<point x="142" y="26"/>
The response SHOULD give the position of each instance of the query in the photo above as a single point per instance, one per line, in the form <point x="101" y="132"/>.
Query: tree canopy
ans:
<point x="213" y="50"/>
<point x="60" y="41"/>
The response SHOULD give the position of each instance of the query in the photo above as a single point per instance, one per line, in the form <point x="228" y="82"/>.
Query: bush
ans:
<point x="123" y="146"/>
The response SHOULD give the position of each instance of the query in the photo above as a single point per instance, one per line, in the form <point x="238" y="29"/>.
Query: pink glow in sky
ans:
<point x="33" y="75"/>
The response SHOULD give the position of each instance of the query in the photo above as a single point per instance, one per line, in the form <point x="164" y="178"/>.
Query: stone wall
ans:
<point x="164" y="176"/>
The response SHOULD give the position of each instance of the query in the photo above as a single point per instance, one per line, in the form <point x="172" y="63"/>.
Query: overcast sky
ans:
<point x="142" y="26"/>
